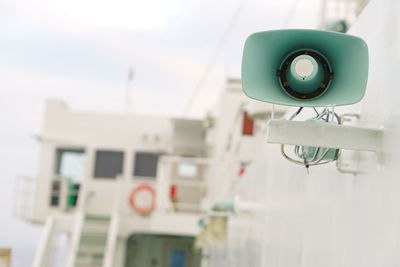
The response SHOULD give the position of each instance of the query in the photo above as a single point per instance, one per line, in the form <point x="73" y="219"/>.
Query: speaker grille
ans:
<point x="323" y="86"/>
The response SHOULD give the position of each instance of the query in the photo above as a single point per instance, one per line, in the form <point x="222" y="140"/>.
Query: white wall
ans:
<point x="327" y="218"/>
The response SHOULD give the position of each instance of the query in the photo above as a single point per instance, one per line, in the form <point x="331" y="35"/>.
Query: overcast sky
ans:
<point x="80" y="51"/>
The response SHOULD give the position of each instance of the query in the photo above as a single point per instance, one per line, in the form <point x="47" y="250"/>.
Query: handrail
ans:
<point x="112" y="234"/>
<point x="186" y="206"/>
<point x="43" y="247"/>
<point x="24" y="198"/>
<point x="78" y="227"/>
<point x="76" y="236"/>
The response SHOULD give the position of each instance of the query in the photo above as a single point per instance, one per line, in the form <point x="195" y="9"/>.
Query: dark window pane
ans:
<point x="54" y="200"/>
<point x="55" y="187"/>
<point x="177" y="258"/>
<point x="108" y="164"/>
<point x="55" y="193"/>
<point x="145" y="164"/>
<point x="144" y="250"/>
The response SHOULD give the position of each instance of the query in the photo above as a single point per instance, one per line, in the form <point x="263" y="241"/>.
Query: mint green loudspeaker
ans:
<point x="305" y="68"/>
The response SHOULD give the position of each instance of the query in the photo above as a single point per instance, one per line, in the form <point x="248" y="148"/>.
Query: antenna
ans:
<point x="128" y="93"/>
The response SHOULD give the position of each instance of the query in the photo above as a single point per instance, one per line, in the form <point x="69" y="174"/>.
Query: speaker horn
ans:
<point x="305" y="68"/>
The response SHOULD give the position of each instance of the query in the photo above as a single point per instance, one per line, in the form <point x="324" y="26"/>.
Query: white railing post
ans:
<point x="45" y="240"/>
<point x="163" y="184"/>
<point x="78" y="226"/>
<point x="112" y="234"/>
<point x="75" y="240"/>
<point x="63" y="193"/>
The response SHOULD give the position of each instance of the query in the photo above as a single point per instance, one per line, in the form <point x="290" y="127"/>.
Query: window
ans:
<point x="161" y="251"/>
<point x="55" y="193"/>
<point x="187" y="170"/>
<point x="109" y="164"/>
<point x="70" y="169"/>
<point x="70" y="163"/>
<point x="177" y="257"/>
<point x="145" y="164"/>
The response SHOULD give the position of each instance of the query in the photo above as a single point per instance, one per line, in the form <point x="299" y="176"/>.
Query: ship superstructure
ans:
<point x="130" y="190"/>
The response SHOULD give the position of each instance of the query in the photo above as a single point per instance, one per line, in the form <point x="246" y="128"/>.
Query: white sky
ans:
<point x="80" y="51"/>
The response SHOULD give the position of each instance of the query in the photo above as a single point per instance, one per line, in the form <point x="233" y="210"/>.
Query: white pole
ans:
<point x="42" y="252"/>
<point x="128" y="93"/>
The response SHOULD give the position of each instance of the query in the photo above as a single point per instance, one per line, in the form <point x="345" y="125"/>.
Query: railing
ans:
<point x="76" y="236"/>
<point x="24" y="201"/>
<point x="43" y="249"/>
<point x="78" y="227"/>
<point x="112" y="234"/>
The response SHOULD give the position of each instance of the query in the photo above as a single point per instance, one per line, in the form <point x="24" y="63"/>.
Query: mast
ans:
<point x="128" y="92"/>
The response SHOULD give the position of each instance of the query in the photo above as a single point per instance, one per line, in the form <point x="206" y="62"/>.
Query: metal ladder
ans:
<point x="92" y="242"/>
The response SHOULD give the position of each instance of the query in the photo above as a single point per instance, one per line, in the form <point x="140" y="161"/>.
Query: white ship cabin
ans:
<point x="129" y="190"/>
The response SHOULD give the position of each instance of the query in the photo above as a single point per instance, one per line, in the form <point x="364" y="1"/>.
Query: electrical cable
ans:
<point x="211" y="63"/>
<point x="214" y="57"/>
<point x="319" y="154"/>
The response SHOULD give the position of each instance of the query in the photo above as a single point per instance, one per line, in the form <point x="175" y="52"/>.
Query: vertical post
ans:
<point x="128" y="93"/>
<point x="41" y="255"/>
<point x="113" y="229"/>
<point x="63" y="200"/>
<point x="272" y="113"/>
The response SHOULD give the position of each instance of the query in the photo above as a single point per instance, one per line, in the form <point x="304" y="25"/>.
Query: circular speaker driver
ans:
<point x="305" y="74"/>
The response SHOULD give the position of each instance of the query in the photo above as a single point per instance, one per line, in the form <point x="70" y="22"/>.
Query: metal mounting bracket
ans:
<point x="323" y="134"/>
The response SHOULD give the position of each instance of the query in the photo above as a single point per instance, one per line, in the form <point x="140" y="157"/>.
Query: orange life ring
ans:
<point x="133" y="203"/>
